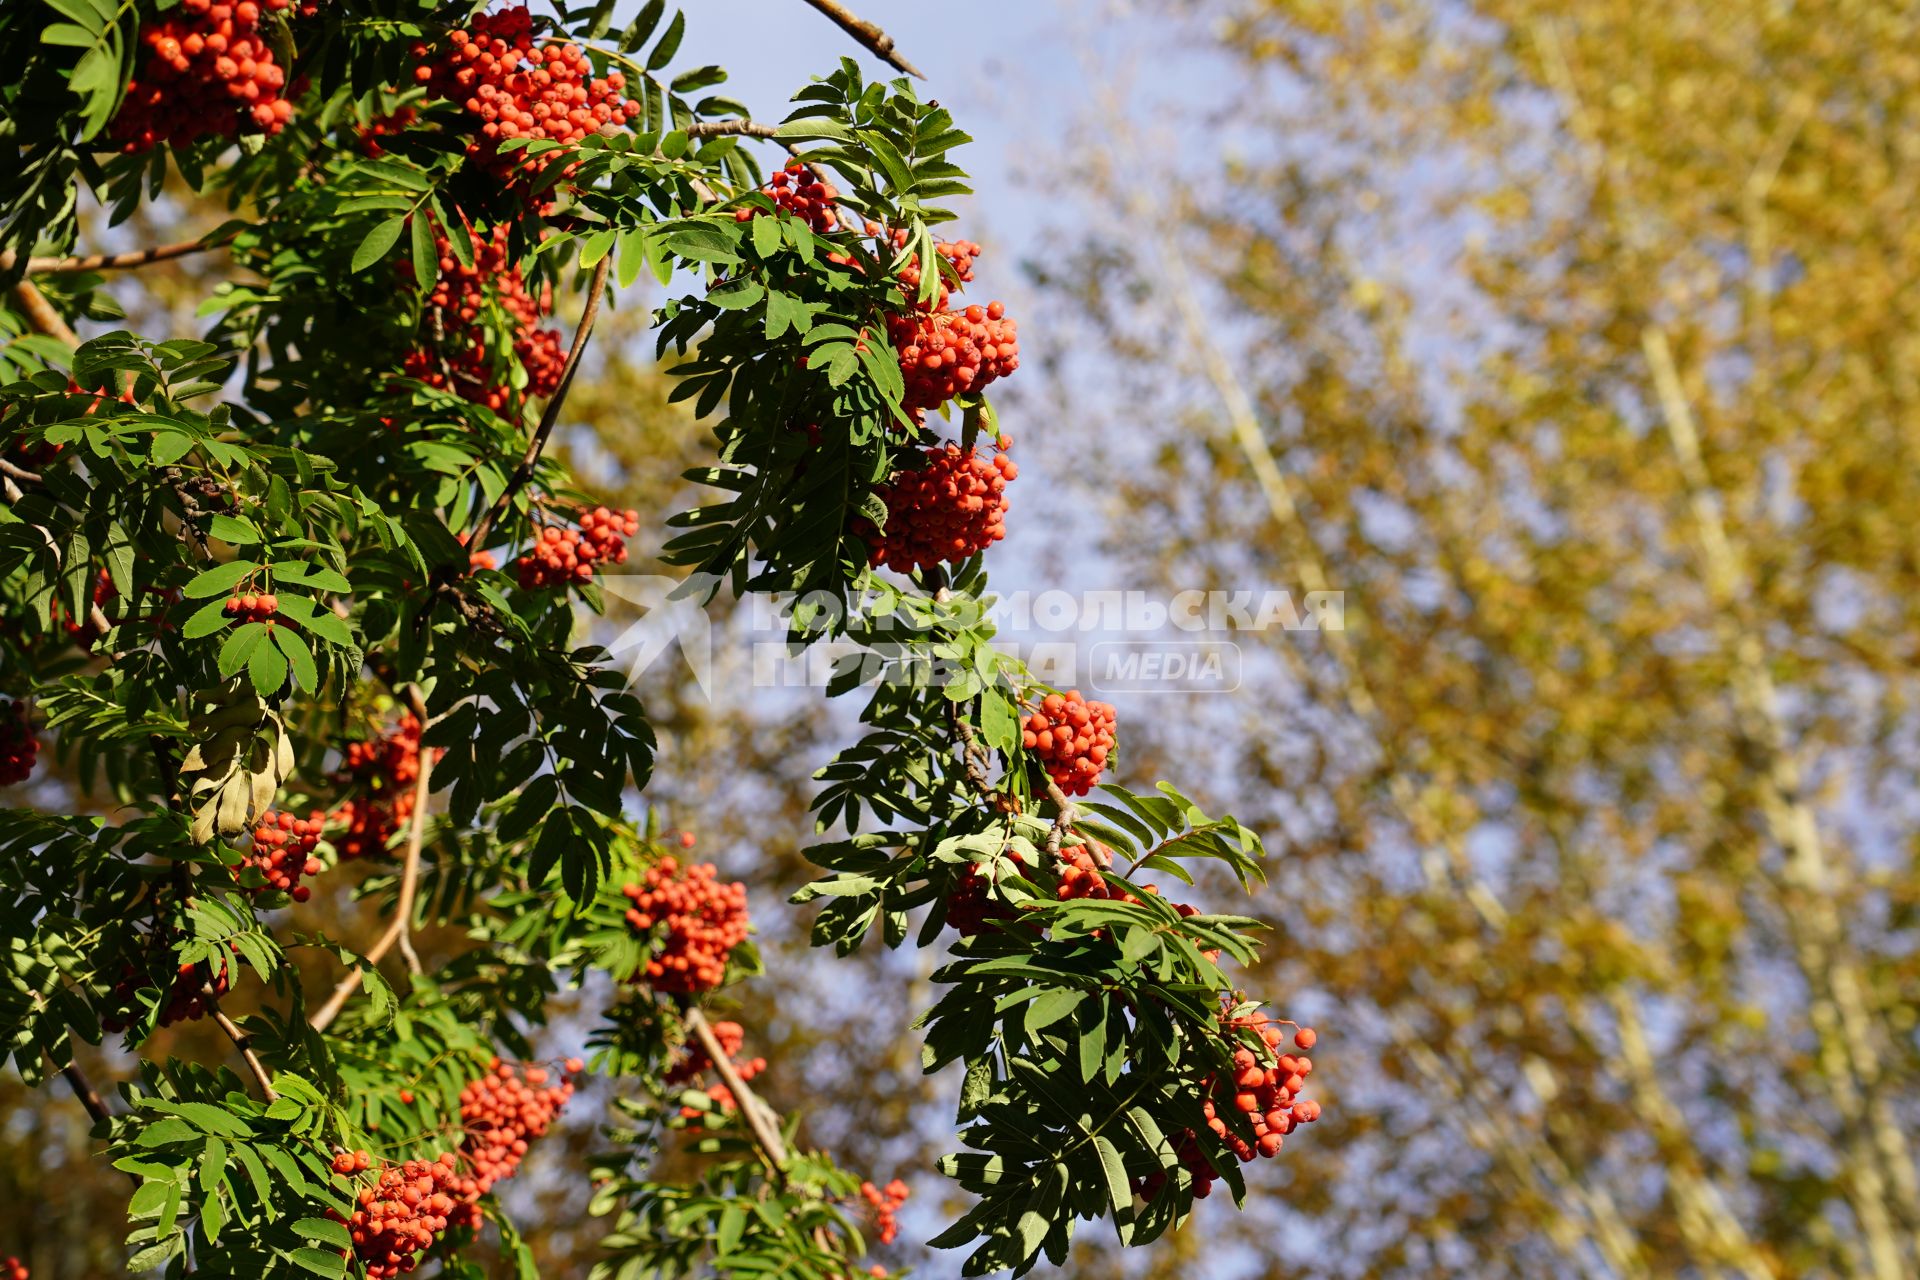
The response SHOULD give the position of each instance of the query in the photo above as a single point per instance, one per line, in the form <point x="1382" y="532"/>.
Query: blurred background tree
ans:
<point x="1576" y="344"/>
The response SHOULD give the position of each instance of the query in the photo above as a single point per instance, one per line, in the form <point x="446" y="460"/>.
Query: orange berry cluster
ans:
<point x="283" y="852"/>
<point x="13" y="1269"/>
<point x="704" y="921"/>
<point x="387" y="767"/>
<point x="186" y="1000"/>
<point x="458" y="359"/>
<point x="400" y="1214"/>
<point x="253" y="608"/>
<point x="82" y="630"/>
<point x="948" y="353"/>
<point x="563" y="556"/>
<point x="798" y="191"/>
<point x="18" y="747"/>
<point x="959" y="253"/>
<point x="694" y="1062"/>
<point x="971" y="906"/>
<point x="1073" y="738"/>
<point x="391" y="125"/>
<point x="949" y="509"/>
<point x="885" y="1204"/>
<point x="208" y="72"/>
<point x="1265" y="1087"/>
<point x="518" y="90"/>
<point x="500" y="1112"/>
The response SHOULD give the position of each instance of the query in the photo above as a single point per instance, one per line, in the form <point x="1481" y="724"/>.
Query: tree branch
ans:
<point x="77" y="1081"/>
<point x="876" y="41"/>
<point x="21" y="474"/>
<point x="41" y="315"/>
<point x="400" y="931"/>
<point x="524" y="472"/>
<point x="732" y="128"/>
<point x="120" y="261"/>
<point x="1066" y="810"/>
<point x="759" y="1117"/>
<point x="241" y="1041"/>
<point x="971" y="756"/>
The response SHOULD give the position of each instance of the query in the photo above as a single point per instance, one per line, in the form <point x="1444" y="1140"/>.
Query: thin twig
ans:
<point x="876" y="41"/>
<point x="400" y="931"/>
<point x="121" y="261"/>
<point x="971" y="755"/>
<point x="83" y="1090"/>
<point x="241" y="1041"/>
<point x="1063" y="818"/>
<point x="524" y="472"/>
<point x="759" y="1117"/>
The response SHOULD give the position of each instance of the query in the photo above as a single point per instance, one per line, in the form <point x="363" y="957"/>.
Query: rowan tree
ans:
<point x="294" y="599"/>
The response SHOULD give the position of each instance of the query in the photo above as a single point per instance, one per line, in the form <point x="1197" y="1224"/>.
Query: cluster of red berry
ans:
<point x="283" y="852"/>
<point x="704" y="920"/>
<point x="13" y="1269"/>
<point x="797" y="190"/>
<point x="186" y="999"/>
<point x="81" y="630"/>
<point x="959" y="254"/>
<point x="209" y="71"/>
<point x="457" y="357"/>
<point x="1265" y="1087"/>
<point x="392" y="124"/>
<point x="885" y="1203"/>
<point x="252" y="607"/>
<point x="500" y="1112"/>
<point x="19" y="749"/>
<point x="1073" y="738"/>
<point x="563" y="556"/>
<point x="400" y="1214"/>
<point x="387" y="768"/>
<point x="953" y="507"/>
<point x="971" y="906"/>
<point x="695" y="1062"/>
<point x="948" y="353"/>
<point x="519" y="90"/>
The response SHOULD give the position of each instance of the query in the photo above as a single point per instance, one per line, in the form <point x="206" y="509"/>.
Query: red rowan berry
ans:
<point x="386" y="768"/>
<point x="186" y="998"/>
<point x="401" y="1213"/>
<point x="884" y="1204"/>
<point x="252" y="607"/>
<point x="283" y="852"/>
<point x="563" y="556"/>
<point x="18" y="747"/>
<point x="512" y="87"/>
<point x="458" y="357"/>
<point x="694" y="1062"/>
<point x="703" y="920"/>
<point x="947" y="353"/>
<point x="971" y="905"/>
<point x="13" y="1269"/>
<point x="1072" y="738"/>
<point x="208" y="72"/>
<point x="953" y="507"/>
<point x="1264" y="1086"/>
<point x="797" y="190"/>
<point x="500" y="1112"/>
